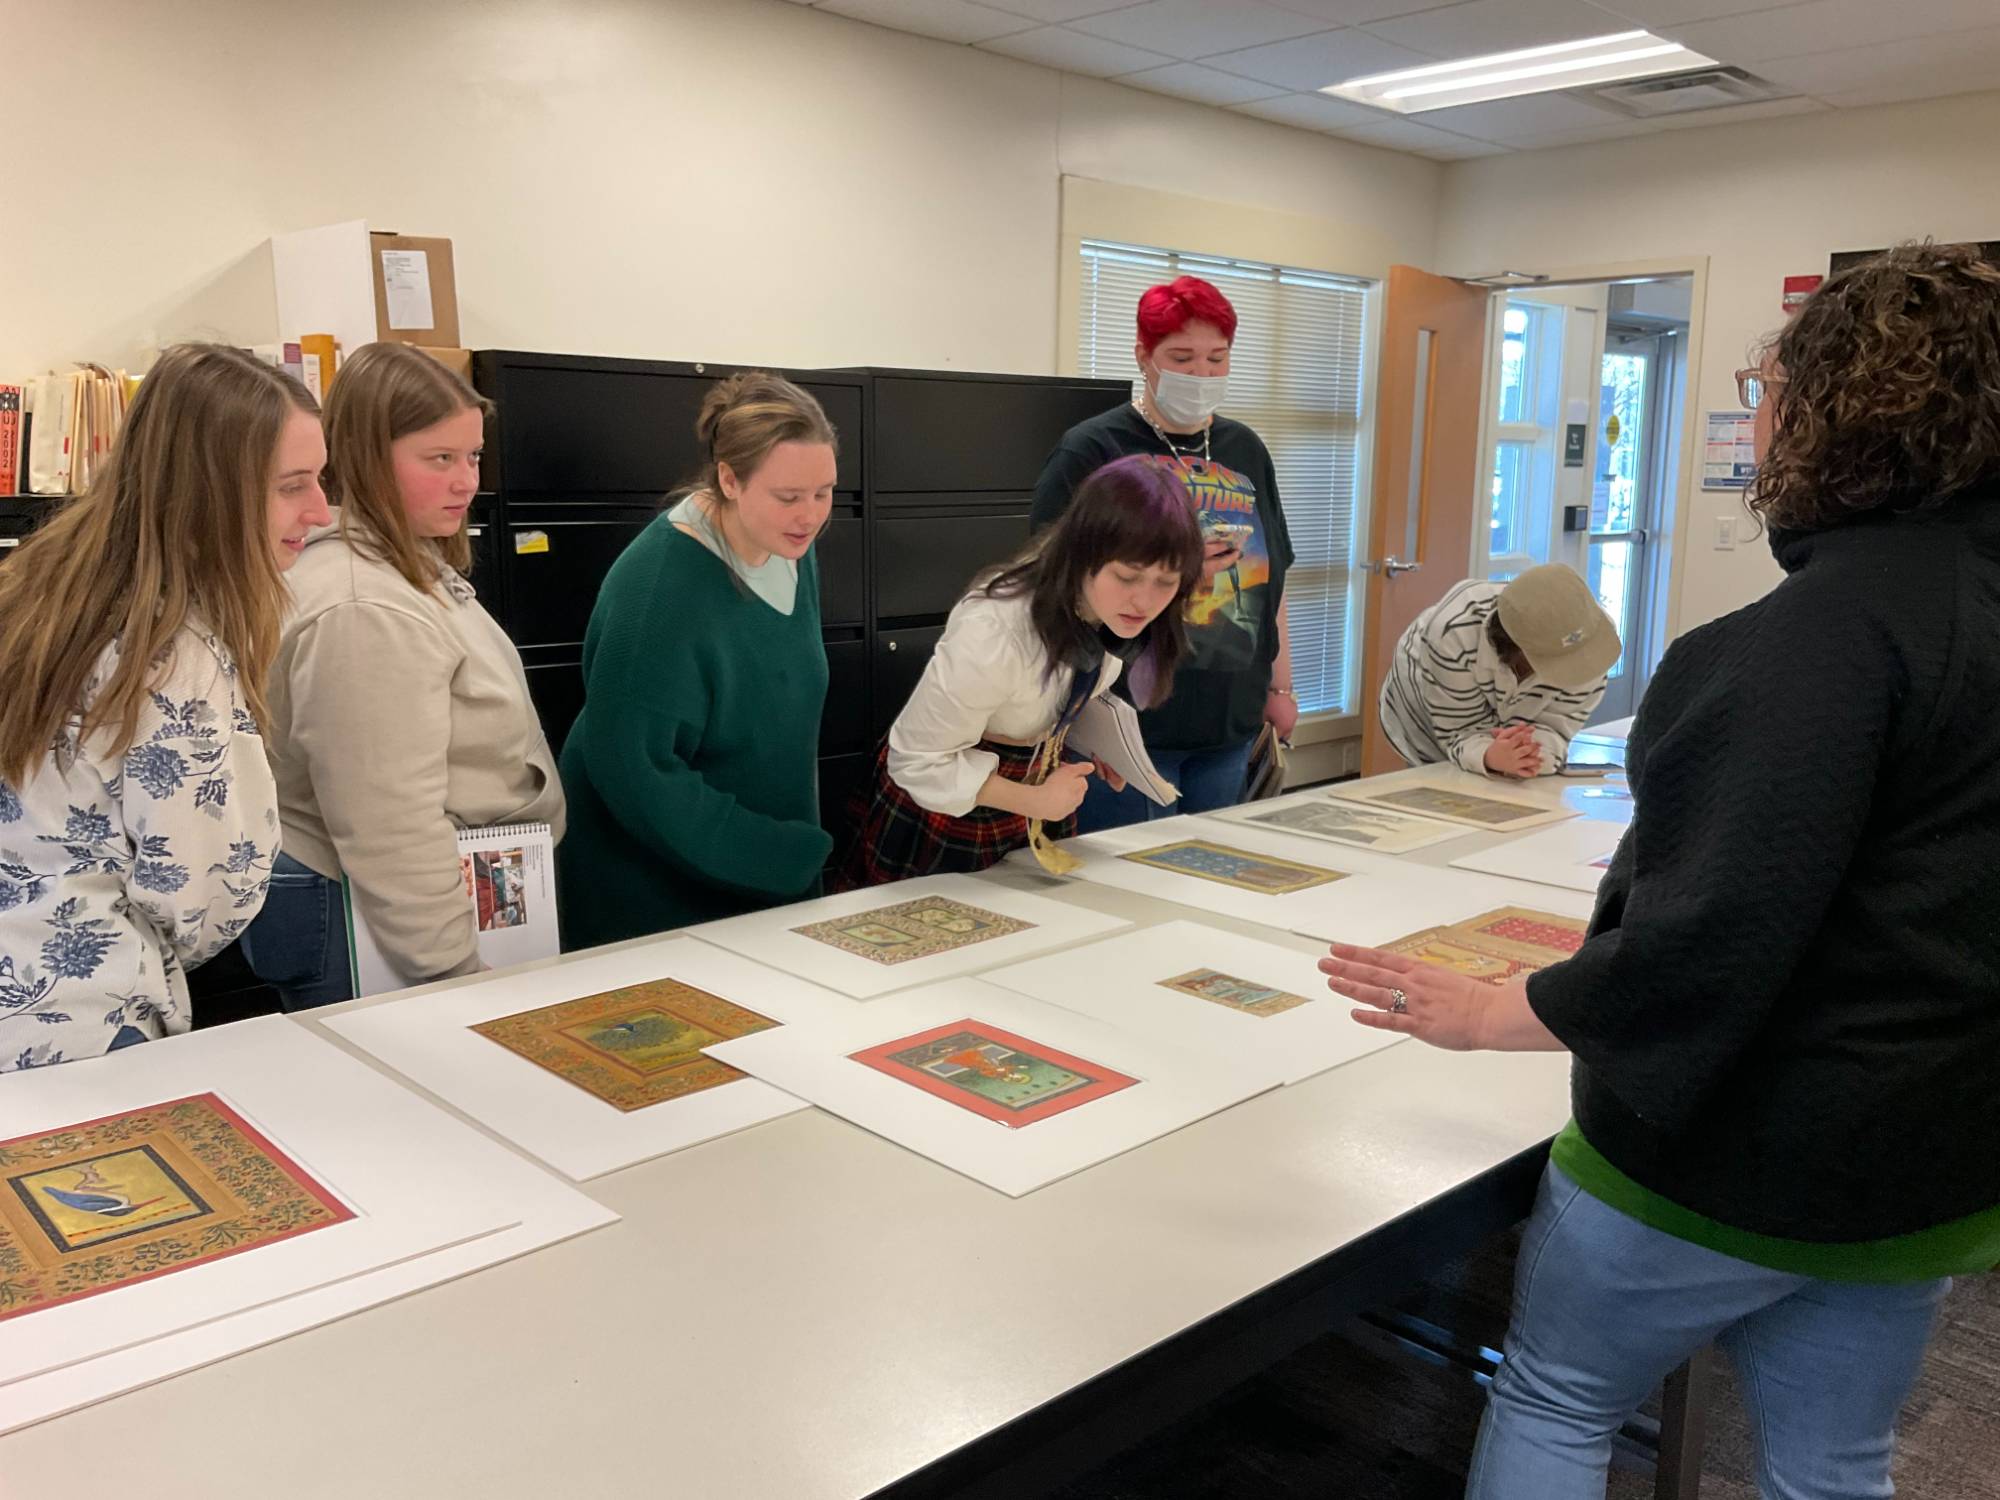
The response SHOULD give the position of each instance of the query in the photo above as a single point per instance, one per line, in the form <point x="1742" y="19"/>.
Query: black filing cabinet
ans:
<point x="953" y="465"/>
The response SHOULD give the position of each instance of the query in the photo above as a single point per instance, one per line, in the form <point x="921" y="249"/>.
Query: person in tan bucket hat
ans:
<point x="1499" y="678"/>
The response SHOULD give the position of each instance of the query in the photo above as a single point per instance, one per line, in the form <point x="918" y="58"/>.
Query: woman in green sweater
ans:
<point x="690" y="772"/>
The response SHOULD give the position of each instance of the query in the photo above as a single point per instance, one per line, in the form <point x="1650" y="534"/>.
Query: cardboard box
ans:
<point x="458" y="361"/>
<point x="416" y="299"/>
<point x="362" y="286"/>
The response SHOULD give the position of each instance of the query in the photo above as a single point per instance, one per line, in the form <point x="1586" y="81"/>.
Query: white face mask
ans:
<point x="1188" y="401"/>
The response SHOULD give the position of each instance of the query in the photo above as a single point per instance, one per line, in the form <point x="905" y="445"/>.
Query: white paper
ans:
<point x="510" y="883"/>
<point x="770" y="936"/>
<point x="1108" y="730"/>
<point x="1174" y="1088"/>
<point x="418" y="1180"/>
<point x="406" y="287"/>
<point x="1567" y="855"/>
<point x="1382" y="909"/>
<point x="1315" y="815"/>
<point x="428" y="1040"/>
<point x="1121" y="981"/>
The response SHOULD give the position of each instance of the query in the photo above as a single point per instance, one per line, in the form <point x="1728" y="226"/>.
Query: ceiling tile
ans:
<point x="1515" y="120"/>
<point x="1312" y="112"/>
<point x="1073" y="52"/>
<point x="1831" y="25"/>
<point x="1193" y="81"/>
<point x="1311" y="62"/>
<point x="1657" y="13"/>
<point x="1355" y="12"/>
<point x="1402" y="135"/>
<point x="948" y="20"/>
<point x="1482" y="26"/>
<point x="1464" y="151"/>
<point x="1617" y="130"/>
<point x="1197" y="28"/>
<point x="1055" y="12"/>
<point x="1737" y="114"/>
<point x="1919" y="69"/>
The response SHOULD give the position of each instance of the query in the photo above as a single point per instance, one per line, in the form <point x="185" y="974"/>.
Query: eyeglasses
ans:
<point x="1750" y="386"/>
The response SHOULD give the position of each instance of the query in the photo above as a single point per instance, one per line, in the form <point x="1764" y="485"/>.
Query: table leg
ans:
<point x="1684" y="1406"/>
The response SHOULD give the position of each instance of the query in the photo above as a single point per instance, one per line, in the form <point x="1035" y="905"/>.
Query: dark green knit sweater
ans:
<point x="691" y="771"/>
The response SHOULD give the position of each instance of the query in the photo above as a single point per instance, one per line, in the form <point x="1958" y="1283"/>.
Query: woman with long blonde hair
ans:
<point x="137" y="815"/>
<point x="400" y="713"/>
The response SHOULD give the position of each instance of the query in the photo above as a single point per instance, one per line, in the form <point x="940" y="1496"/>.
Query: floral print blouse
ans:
<point x="119" y="874"/>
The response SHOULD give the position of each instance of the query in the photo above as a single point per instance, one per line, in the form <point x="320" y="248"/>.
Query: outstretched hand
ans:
<point x="1440" y="1007"/>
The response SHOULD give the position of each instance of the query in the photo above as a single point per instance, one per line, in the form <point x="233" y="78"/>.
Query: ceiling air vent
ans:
<point x="1685" y="93"/>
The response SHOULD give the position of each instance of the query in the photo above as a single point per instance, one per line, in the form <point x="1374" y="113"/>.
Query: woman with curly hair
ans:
<point x="1784" y="1020"/>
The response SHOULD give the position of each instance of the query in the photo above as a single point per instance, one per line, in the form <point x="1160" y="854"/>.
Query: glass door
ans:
<point x="1621" y="503"/>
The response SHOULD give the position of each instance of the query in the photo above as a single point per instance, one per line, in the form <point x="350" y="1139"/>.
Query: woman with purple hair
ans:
<point x="973" y="759"/>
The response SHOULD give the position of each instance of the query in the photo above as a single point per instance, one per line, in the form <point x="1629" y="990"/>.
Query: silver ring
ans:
<point x="1399" y="1003"/>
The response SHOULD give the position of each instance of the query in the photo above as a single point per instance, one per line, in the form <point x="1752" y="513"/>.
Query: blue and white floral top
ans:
<point x="117" y="875"/>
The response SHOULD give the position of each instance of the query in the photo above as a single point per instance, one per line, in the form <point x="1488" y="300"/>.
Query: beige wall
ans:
<point x="1762" y="201"/>
<point x="720" y="179"/>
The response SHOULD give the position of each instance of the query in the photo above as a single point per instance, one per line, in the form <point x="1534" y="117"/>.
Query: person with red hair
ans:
<point x="1238" y="676"/>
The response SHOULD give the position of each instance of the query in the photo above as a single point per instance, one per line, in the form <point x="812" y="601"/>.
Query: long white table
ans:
<point x="804" y="1310"/>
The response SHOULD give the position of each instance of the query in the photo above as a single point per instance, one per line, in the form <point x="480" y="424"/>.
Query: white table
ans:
<point x="804" y="1310"/>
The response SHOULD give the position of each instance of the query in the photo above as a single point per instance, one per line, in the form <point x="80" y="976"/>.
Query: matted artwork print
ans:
<point x="90" y="1207"/>
<point x="1351" y="823"/>
<point x="1246" y="995"/>
<point x="1225" y="866"/>
<point x="630" y="1047"/>
<point x="995" y="1074"/>
<point x="1496" y="947"/>
<point x="1466" y="806"/>
<point x="912" y="929"/>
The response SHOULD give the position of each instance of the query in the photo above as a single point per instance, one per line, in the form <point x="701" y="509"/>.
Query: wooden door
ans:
<point x="1427" y="488"/>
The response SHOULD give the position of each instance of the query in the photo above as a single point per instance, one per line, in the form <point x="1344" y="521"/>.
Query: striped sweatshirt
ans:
<point x="1447" y="690"/>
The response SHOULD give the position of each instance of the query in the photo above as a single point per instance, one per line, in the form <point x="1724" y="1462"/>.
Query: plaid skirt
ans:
<point x="895" y="839"/>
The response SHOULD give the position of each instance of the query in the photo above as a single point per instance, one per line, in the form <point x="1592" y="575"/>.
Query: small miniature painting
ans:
<point x="91" y="1207"/>
<point x="912" y="929"/>
<point x="1244" y="995"/>
<point x="631" y="1047"/>
<point x="993" y="1073"/>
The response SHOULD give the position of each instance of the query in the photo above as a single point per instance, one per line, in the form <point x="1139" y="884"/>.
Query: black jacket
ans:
<point x="1787" y="1016"/>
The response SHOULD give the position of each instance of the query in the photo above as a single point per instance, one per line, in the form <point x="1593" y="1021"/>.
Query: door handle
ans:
<point x="1392" y="566"/>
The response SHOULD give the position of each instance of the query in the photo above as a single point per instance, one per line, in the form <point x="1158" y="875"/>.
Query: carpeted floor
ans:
<point x="1341" y="1421"/>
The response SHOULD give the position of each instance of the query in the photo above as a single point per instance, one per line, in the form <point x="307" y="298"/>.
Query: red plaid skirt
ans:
<point x="895" y="839"/>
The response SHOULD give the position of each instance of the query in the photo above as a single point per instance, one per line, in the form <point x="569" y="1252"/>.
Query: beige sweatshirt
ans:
<point x="399" y="717"/>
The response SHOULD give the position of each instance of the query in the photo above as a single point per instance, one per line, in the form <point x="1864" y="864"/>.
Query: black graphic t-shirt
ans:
<point x="1219" y="692"/>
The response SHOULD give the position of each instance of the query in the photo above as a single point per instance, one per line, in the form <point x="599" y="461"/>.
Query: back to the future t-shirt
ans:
<point x="1219" y="691"/>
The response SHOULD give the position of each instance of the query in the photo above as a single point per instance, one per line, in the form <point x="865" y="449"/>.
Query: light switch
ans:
<point x="1725" y="533"/>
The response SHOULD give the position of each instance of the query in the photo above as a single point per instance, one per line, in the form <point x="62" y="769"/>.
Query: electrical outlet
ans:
<point x="1725" y="533"/>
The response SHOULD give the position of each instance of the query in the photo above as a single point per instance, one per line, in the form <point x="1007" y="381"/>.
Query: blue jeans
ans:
<point x="298" y="944"/>
<point x="1605" y="1308"/>
<point x="1208" y="779"/>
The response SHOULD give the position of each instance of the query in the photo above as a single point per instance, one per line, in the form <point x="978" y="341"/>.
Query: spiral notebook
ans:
<point x="510" y="884"/>
<point x="1107" y="730"/>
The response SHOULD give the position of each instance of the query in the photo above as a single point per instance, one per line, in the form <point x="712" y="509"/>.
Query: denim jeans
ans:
<point x="298" y="943"/>
<point x="1208" y="779"/>
<point x="1605" y="1308"/>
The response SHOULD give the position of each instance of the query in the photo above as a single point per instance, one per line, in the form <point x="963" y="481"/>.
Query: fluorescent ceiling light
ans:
<point x="1531" y="70"/>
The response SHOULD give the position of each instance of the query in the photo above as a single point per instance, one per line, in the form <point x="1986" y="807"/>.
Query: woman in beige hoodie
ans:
<point x="400" y="713"/>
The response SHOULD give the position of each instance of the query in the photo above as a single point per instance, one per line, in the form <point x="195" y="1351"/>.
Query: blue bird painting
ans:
<point x="91" y="1194"/>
